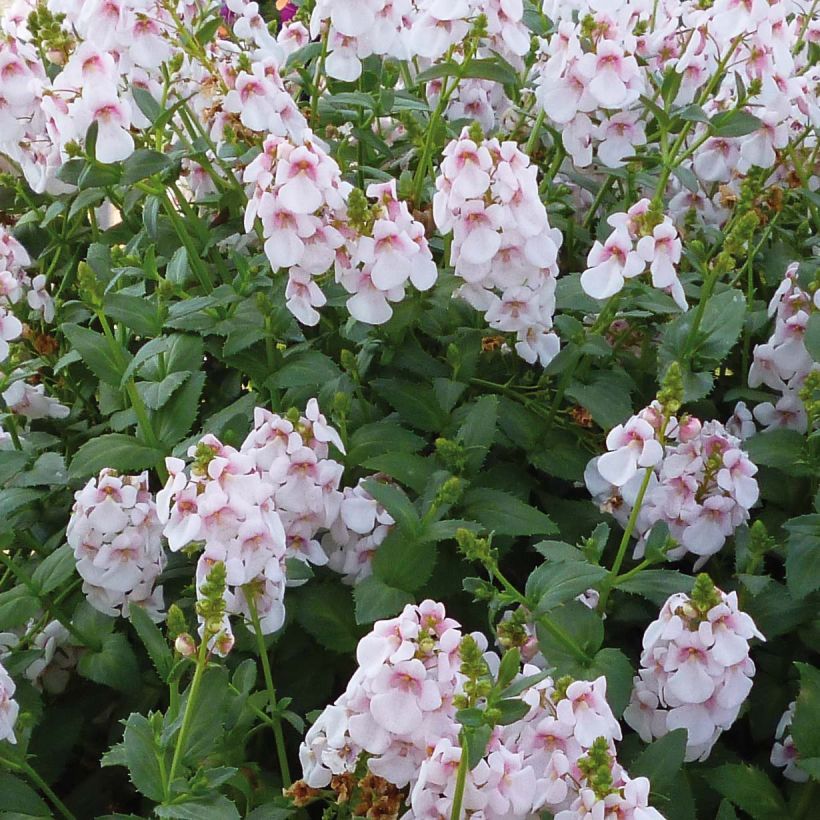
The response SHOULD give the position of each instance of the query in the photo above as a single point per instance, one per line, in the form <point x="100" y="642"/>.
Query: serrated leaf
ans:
<point x="375" y="600"/>
<point x="412" y="470"/>
<point x="504" y="514"/>
<point x="96" y="353"/>
<point x="661" y="760"/>
<point x="416" y="403"/>
<point x="326" y="612"/>
<point x="394" y="500"/>
<point x="376" y="439"/>
<point x="153" y="640"/>
<point x="477" y="433"/>
<point x="144" y="163"/>
<point x="307" y="369"/>
<point x="18" y="797"/>
<point x="54" y="569"/>
<point x="117" y="450"/>
<point x="136" y="312"/>
<point x="553" y="583"/>
<point x="749" y="789"/>
<point x="803" y="555"/>
<point x="141" y="757"/>
<point x="114" y="664"/>
<point x="805" y="728"/>
<point x="157" y="394"/>
<point x="177" y="417"/>
<point x="657" y="585"/>
<point x="404" y="562"/>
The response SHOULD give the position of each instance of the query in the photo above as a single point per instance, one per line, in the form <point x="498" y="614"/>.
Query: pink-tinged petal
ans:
<point x="396" y="711"/>
<point x="618" y="466"/>
<point x="300" y="195"/>
<point x="284" y="249"/>
<point x="695" y="719"/>
<point x="651" y="454"/>
<point x="602" y="281"/>
<point x="370" y="307"/>
<point x="691" y="683"/>
<point x="359" y="514"/>
<point x="480" y="245"/>
<point x="113" y="143"/>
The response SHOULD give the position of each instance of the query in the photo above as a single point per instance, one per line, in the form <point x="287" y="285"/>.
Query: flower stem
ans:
<point x="201" y="663"/>
<point x="276" y="722"/>
<point x="630" y="526"/>
<point x="534" y="134"/>
<point x="461" y="782"/>
<point x="41" y="784"/>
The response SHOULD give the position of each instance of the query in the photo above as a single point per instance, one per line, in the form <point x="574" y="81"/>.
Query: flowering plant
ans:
<point x="374" y="374"/>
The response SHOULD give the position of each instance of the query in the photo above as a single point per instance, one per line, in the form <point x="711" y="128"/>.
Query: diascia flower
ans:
<point x="695" y="668"/>
<point x="398" y="712"/>
<point x="784" y="753"/>
<point x="9" y="709"/>
<point x="503" y="247"/>
<point x="116" y="537"/>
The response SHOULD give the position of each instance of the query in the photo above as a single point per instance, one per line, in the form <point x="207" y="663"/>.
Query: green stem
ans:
<point x="535" y="133"/>
<point x="461" y="781"/>
<point x="314" y="92"/>
<point x="41" y="784"/>
<point x="21" y="575"/>
<point x="276" y="724"/>
<point x="201" y="663"/>
<point x="556" y="631"/>
<point x="630" y="527"/>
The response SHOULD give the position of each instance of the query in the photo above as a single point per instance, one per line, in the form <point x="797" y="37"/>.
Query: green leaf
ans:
<point x="725" y="810"/>
<point x="210" y="808"/>
<point x="178" y="415"/>
<point x="476" y="743"/>
<point x="96" y="353"/>
<point x="375" y="600"/>
<point x="749" y="789"/>
<point x="661" y="761"/>
<point x="136" y="312"/>
<point x="394" y="500"/>
<point x="554" y="583"/>
<point x="325" y="611"/>
<point x="812" y="336"/>
<point x="381" y="437"/>
<point x="18" y="797"/>
<point x="54" y="569"/>
<point x="48" y="471"/>
<point x="721" y="324"/>
<point x="306" y="369"/>
<point x="505" y="514"/>
<point x="114" y="665"/>
<point x="146" y="102"/>
<point x="606" y="397"/>
<point x="805" y="728"/>
<point x="404" y="562"/>
<point x="803" y="555"/>
<point x="735" y="123"/>
<point x="156" y="394"/>
<point x="583" y="625"/>
<point x="117" y="450"/>
<point x="657" y="585"/>
<point x="509" y="667"/>
<point x="153" y="640"/>
<point x="414" y="471"/>
<point x="141" y="757"/>
<point x="177" y="271"/>
<point x="478" y="431"/>
<point x="497" y="70"/>
<point x="783" y="449"/>
<point x="144" y="163"/>
<point x="416" y="403"/>
<point x="618" y="671"/>
<point x="17" y="605"/>
<point x="14" y="499"/>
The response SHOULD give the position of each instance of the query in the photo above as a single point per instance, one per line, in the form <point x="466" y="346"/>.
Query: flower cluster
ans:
<point x="404" y="29"/>
<point x="9" y="708"/>
<point x="640" y="237"/>
<point x="116" y="537"/>
<point x="312" y="220"/>
<point x="602" y="58"/>
<point x="697" y="480"/>
<point x="784" y="753"/>
<point x="52" y="670"/>
<point x="399" y="709"/>
<point x="388" y="250"/>
<point x="783" y="363"/>
<point x="359" y="530"/>
<point x="695" y="668"/>
<point x="503" y="246"/>
<point x="15" y="286"/>
<point x="251" y="509"/>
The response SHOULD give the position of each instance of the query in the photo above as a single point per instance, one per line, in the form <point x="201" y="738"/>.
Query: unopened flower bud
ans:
<point x="185" y="645"/>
